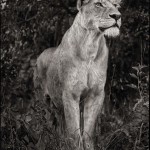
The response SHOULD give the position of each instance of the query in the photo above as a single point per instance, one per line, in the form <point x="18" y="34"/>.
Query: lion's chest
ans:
<point x="96" y="75"/>
<point x="86" y="75"/>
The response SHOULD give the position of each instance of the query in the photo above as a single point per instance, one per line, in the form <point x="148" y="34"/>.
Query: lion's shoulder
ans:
<point x="47" y="54"/>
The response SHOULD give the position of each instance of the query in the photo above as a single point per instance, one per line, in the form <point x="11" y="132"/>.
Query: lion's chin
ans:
<point x="112" y="32"/>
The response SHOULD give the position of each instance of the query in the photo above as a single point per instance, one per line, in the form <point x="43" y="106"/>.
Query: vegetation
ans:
<point x="30" y="26"/>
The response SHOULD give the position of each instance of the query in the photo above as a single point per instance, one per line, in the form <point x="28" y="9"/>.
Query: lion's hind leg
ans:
<point x="40" y="82"/>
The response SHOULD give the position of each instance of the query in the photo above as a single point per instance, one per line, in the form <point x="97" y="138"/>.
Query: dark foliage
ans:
<point x="30" y="26"/>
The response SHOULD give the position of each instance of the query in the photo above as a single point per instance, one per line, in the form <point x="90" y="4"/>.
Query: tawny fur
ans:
<point x="75" y="71"/>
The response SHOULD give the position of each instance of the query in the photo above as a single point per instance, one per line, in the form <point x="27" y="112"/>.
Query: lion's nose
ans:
<point x="115" y="16"/>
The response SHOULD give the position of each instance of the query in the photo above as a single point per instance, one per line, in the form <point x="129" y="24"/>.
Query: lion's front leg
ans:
<point x="72" y="117"/>
<point x="92" y="106"/>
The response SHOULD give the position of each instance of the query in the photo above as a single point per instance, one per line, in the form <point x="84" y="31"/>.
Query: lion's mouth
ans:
<point x="103" y="28"/>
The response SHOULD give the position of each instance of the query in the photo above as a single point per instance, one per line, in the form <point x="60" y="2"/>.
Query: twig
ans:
<point x="111" y="82"/>
<point x="140" y="132"/>
<point x="139" y="102"/>
<point x="136" y="141"/>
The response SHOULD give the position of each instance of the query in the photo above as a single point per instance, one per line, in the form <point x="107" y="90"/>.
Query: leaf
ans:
<point x="114" y="83"/>
<point x="143" y="66"/>
<point x="122" y="88"/>
<point x="40" y="145"/>
<point x="133" y="86"/>
<point x="47" y="115"/>
<point x="28" y="119"/>
<point x="7" y="32"/>
<point x="2" y="122"/>
<point x="18" y="125"/>
<point x="136" y="68"/>
<point x="133" y="75"/>
<point x="146" y="104"/>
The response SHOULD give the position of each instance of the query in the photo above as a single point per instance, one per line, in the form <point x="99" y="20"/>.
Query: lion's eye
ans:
<point x="117" y="5"/>
<point x="98" y="4"/>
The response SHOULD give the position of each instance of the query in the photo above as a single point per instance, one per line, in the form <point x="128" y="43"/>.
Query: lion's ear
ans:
<point x="79" y="5"/>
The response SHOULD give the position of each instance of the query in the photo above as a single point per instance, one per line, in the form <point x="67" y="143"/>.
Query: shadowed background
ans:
<point x="30" y="26"/>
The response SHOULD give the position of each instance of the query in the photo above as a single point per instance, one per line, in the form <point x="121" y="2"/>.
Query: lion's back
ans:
<point x="46" y="57"/>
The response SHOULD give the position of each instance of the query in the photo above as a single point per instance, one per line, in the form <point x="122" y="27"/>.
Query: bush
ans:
<point x="28" y="27"/>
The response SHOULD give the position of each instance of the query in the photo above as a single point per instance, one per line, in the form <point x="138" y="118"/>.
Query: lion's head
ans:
<point x="100" y="15"/>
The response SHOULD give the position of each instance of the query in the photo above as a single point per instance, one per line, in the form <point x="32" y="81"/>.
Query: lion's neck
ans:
<point x="88" y="44"/>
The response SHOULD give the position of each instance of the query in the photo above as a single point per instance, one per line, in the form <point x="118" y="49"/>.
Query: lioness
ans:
<point x="75" y="71"/>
